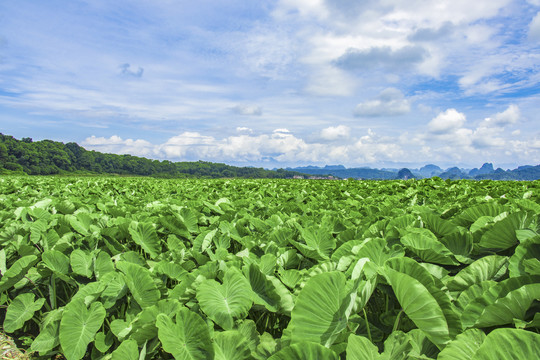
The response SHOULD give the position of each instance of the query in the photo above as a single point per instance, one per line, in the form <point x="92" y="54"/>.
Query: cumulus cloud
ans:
<point x="446" y="122"/>
<point x="247" y="110"/>
<point x="507" y="117"/>
<point x="390" y="102"/>
<point x="381" y="57"/>
<point x="445" y="138"/>
<point x="335" y="132"/>
<point x="280" y="145"/>
<point x="127" y="70"/>
<point x="485" y="137"/>
<point x="372" y="147"/>
<point x="117" y="145"/>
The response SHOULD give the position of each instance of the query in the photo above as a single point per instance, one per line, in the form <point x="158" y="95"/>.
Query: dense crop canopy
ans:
<point x="131" y="268"/>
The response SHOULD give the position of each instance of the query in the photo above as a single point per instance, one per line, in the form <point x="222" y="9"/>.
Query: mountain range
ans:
<point x="486" y="171"/>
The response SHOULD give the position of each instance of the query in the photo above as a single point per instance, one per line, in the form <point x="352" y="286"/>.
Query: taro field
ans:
<point x="141" y="268"/>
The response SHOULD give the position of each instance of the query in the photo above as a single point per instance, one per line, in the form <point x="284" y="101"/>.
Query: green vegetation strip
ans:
<point x="135" y="268"/>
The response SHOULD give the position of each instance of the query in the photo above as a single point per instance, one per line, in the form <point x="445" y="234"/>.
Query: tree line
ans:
<point x="47" y="157"/>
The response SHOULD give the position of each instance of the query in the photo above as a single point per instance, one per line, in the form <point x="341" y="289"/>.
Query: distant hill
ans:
<point x="344" y="173"/>
<point x="453" y="173"/>
<point x="429" y="170"/>
<point x="487" y="168"/>
<point x="526" y="172"/>
<point x="405" y="174"/>
<point x="48" y="157"/>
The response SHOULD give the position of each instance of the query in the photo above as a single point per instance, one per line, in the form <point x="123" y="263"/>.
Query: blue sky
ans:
<point x="277" y="83"/>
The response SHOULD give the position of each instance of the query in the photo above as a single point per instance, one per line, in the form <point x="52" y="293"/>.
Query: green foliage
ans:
<point x="133" y="268"/>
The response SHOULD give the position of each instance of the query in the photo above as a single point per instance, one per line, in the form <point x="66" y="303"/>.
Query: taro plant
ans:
<point x="136" y="268"/>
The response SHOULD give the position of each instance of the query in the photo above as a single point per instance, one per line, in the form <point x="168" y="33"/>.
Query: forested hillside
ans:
<point x="48" y="157"/>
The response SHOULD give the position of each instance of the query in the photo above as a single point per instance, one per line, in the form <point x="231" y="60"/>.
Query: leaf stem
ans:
<point x="40" y="293"/>
<point x="396" y="323"/>
<point x="52" y="292"/>
<point x="367" y="324"/>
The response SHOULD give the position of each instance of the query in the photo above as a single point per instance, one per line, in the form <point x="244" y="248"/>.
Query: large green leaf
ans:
<point x="225" y="302"/>
<point x="438" y="226"/>
<point x="464" y="346"/>
<point x="305" y="351"/>
<point x="17" y="271"/>
<point x="80" y="223"/>
<point x="231" y="345"/>
<point x="49" y="330"/>
<point x="509" y="344"/>
<point x="175" y="225"/>
<point x="140" y="283"/>
<point x="263" y="289"/>
<point x="128" y="350"/>
<point x="425" y="244"/>
<point x="377" y="251"/>
<point x="319" y="242"/>
<point x="56" y="261"/>
<point x="115" y="289"/>
<point x="320" y="239"/>
<point x="144" y="235"/>
<point x="360" y="348"/>
<point x="527" y="250"/>
<point x="503" y="233"/>
<point x="320" y="312"/>
<point x="21" y="309"/>
<point x="502" y="303"/>
<point x="82" y="262"/>
<point x="78" y="327"/>
<point x="460" y="243"/>
<point x="187" y="338"/>
<point x="103" y="264"/>
<point x="397" y="346"/>
<point x="423" y="302"/>
<point x="190" y="219"/>
<point x="471" y="214"/>
<point x="490" y="267"/>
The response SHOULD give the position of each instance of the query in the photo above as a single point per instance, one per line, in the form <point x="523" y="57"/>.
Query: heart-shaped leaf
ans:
<point x="79" y="326"/>
<point x="225" y="302"/>
<point x="188" y="338"/>
<point x="21" y="309"/>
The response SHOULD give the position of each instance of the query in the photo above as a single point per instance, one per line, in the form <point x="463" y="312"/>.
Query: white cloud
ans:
<point x="244" y="129"/>
<point x="284" y="132"/>
<point x="509" y="116"/>
<point x="371" y="148"/>
<point x="534" y="28"/>
<point x="326" y="80"/>
<point x="445" y="139"/>
<point x="117" y="145"/>
<point x="390" y="102"/>
<point x="447" y="122"/>
<point x="335" y="132"/>
<point x="484" y="137"/>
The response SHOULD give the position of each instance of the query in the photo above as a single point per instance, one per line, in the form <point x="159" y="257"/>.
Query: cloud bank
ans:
<point x="447" y="137"/>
